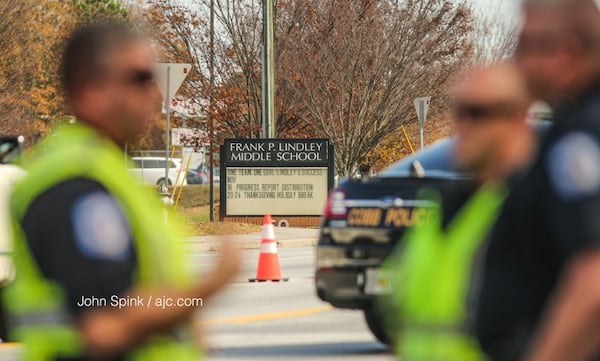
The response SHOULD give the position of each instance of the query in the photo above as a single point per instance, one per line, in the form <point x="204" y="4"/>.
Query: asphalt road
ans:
<point x="263" y="321"/>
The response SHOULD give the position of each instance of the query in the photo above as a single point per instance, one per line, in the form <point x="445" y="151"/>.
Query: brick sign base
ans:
<point x="306" y="222"/>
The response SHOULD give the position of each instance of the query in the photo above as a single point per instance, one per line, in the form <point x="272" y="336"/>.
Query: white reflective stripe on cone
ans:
<point x="268" y="232"/>
<point x="268" y="247"/>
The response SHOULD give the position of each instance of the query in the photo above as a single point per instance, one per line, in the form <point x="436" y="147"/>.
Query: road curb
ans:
<point x="248" y="245"/>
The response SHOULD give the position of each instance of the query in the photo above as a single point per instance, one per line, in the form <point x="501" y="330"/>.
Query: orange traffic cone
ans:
<point x="268" y="260"/>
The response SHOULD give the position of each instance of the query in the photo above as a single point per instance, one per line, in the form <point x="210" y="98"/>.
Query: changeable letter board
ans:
<point x="282" y="177"/>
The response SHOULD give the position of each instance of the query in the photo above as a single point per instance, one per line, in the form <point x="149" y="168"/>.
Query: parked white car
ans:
<point x="151" y="170"/>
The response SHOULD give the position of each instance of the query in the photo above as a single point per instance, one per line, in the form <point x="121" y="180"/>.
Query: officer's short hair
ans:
<point x="86" y="49"/>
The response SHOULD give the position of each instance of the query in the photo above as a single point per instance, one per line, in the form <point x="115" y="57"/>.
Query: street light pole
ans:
<point x="168" y="127"/>
<point x="268" y="71"/>
<point x="211" y="186"/>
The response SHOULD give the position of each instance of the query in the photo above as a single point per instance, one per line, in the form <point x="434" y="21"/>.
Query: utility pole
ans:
<point x="268" y="71"/>
<point x="168" y="127"/>
<point x="211" y="185"/>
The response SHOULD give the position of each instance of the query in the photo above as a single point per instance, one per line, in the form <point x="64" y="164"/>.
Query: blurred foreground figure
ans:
<point x="540" y="298"/>
<point x="434" y="277"/>
<point x="99" y="274"/>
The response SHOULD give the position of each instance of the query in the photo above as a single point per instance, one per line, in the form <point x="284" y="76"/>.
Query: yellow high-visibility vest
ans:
<point x="432" y="280"/>
<point x="36" y="306"/>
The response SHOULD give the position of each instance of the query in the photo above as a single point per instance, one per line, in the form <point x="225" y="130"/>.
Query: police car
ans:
<point x="363" y="221"/>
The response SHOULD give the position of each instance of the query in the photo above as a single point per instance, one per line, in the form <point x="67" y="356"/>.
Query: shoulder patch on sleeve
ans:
<point x="573" y="165"/>
<point x="99" y="227"/>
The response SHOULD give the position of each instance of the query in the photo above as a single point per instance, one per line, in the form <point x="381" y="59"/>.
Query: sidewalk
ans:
<point x="285" y="236"/>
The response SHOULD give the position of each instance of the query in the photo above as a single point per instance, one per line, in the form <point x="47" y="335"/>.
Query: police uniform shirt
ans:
<point x="550" y="216"/>
<point x="80" y="238"/>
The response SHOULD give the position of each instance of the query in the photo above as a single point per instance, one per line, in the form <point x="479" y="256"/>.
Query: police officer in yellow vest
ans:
<point x="99" y="274"/>
<point x="436" y="268"/>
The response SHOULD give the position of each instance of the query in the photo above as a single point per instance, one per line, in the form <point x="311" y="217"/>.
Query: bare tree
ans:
<point x="356" y="66"/>
<point x="494" y="37"/>
<point x="347" y="70"/>
<point x="182" y="32"/>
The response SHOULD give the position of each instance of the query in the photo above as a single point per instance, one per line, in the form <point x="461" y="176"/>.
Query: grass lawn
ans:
<point x="195" y="196"/>
<point x="193" y="209"/>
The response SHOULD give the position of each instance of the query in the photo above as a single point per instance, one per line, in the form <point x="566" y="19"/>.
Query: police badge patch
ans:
<point x="573" y="165"/>
<point x="99" y="227"/>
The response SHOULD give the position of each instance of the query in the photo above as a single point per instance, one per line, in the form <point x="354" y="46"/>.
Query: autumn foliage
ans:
<point x="32" y="36"/>
<point x="346" y="70"/>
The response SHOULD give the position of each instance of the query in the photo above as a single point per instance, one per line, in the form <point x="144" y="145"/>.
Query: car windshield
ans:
<point x="437" y="161"/>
